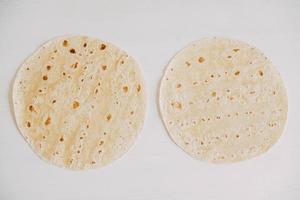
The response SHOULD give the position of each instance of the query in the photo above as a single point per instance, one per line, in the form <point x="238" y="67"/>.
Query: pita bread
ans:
<point x="223" y="101"/>
<point x="79" y="102"/>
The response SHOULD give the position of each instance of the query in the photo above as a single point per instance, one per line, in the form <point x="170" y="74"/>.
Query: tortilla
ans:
<point x="223" y="101"/>
<point x="79" y="102"/>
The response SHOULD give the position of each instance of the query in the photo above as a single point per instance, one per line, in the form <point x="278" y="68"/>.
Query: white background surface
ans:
<point x="152" y="32"/>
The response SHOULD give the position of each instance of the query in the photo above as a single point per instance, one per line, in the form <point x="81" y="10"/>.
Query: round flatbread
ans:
<point x="79" y="102"/>
<point x="222" y="101"/>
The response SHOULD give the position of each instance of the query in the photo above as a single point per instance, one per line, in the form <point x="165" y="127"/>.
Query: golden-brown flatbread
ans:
<point x="79" y="102"/>
<point x="222" y="100"/>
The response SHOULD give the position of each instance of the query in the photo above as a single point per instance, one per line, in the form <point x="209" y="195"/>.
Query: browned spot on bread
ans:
<point x="237" y="73"/>
<point x="54" y="101"/>
<point x="201" y="59"/>
<point x="178" y="85"/>
<point x="72" y="51"/>
<point x="102" y="46"/>
<point x="48" y="67"/>
<point x="61" y="139"/>
<point x="84" y="45"/>
<point x="138" y="87"/>
<point x="187" y="63"/>
<point x="101" y="142"/>
<point x="31" y="108"/>
<point x="65" y="43"/>
<point x="28" y="124"/>
<point x="235" y="50"/>
<point x="74" y="65"/>
<point x="131" y="112"/>
<point x="108" y="117"/>
<point x="176" y="104"/>
<point x="213" y="94"/>
<point x="75" y="104"/>
<point x="45" y="77"/>
<point x="229" y="56"/>
<point x="125" y="89"/>
<point x="93" y="162"/>
<point x="48" y="121"/>
<point x="104" y="67"/>
<point x="261" y="73"/>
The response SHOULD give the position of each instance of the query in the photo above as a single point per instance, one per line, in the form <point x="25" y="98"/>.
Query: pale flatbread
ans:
<point x="222" y="100"/>
<point x="79" y="102"/>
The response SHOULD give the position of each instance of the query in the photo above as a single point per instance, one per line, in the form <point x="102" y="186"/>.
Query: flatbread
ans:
<point x="79" y="102"/>
<point x="223" y="101"/>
